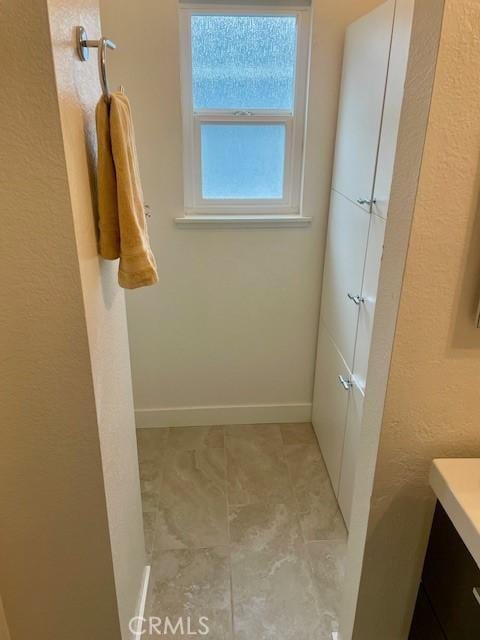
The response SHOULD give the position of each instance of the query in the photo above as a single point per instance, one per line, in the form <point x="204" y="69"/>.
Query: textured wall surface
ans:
<point x="71" y="539"/>
<point x="54" y="539"/>
<point x="431" y="407"/>
<point x="104" y="302"/>
<point x="234" y="318"/>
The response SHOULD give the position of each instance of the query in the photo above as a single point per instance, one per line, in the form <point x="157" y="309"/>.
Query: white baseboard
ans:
<point x="241" y="414"/>
<point x="142" y="599"/>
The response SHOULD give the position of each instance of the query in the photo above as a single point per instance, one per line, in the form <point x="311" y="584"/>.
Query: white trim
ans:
<point x="255" y="208"/>
<point x="223" y="414"/>
<point x="294" y="121"/>
<point x="276" y="4"/>
<point x="142" y="599"/>
<point x="243" y="221"/>
<point x="243" y="8"/>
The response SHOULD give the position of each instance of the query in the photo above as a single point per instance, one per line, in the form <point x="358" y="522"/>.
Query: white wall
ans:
<point x="71" y="538"/>
<point x="233" y="322"/>
<point x="431" y="407"/>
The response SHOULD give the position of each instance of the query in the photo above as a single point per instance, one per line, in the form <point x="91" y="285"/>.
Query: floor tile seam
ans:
<point x="207" y="547"/>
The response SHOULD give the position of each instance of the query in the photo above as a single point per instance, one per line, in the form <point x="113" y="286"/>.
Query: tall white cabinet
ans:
<point x="374" y="70"/>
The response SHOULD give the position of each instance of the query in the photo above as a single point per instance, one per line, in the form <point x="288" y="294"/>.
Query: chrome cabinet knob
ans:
<point x="346" y="384"/>
<point x="368" y="203"/>
<point x="356" y="299"/>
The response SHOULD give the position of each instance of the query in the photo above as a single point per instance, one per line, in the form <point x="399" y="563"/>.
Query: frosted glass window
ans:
<point x="242" y="161"/>
<point x="244" y="69"/>
<point x="243" y="62"/>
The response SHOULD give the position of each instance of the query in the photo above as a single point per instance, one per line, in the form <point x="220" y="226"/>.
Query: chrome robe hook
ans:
<point x="83" y="49"/>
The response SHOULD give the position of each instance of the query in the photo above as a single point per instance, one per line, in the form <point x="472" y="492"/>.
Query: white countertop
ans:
<point x="456" y="482"/>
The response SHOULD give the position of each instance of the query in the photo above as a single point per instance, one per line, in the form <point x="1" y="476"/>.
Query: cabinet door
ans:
<point x="350" y="451"/>
<point x="451" y="579"/>
<point x="330" y="404"/>
<point x="369" y="298"/>
<point x="343" y="272"/>
<point x="366" y="54"/>
<point x="397" y="71"/>
<point x="425" y="625"/>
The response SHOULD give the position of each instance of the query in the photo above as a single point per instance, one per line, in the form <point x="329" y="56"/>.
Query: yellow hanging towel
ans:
<point x="122" y="226"/>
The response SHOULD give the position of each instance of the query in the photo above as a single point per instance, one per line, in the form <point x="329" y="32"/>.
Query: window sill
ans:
<point x="267" y="221"/>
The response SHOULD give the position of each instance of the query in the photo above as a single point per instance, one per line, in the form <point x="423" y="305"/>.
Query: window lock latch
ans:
<point x="243" y="113"/>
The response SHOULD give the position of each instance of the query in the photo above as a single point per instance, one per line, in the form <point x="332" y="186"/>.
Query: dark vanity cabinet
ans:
<point x="448" y="602"/>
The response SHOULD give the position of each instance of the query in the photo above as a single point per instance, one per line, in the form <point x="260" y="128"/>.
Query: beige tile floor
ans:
<point x="241" y="527"/>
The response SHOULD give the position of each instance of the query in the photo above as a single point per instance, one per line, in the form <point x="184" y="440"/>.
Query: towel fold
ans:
<point x="108" y="220"/>
<point x="122" y="225"/>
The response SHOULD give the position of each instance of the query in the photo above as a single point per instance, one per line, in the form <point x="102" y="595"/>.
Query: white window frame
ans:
<point x="290" y="204"/>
